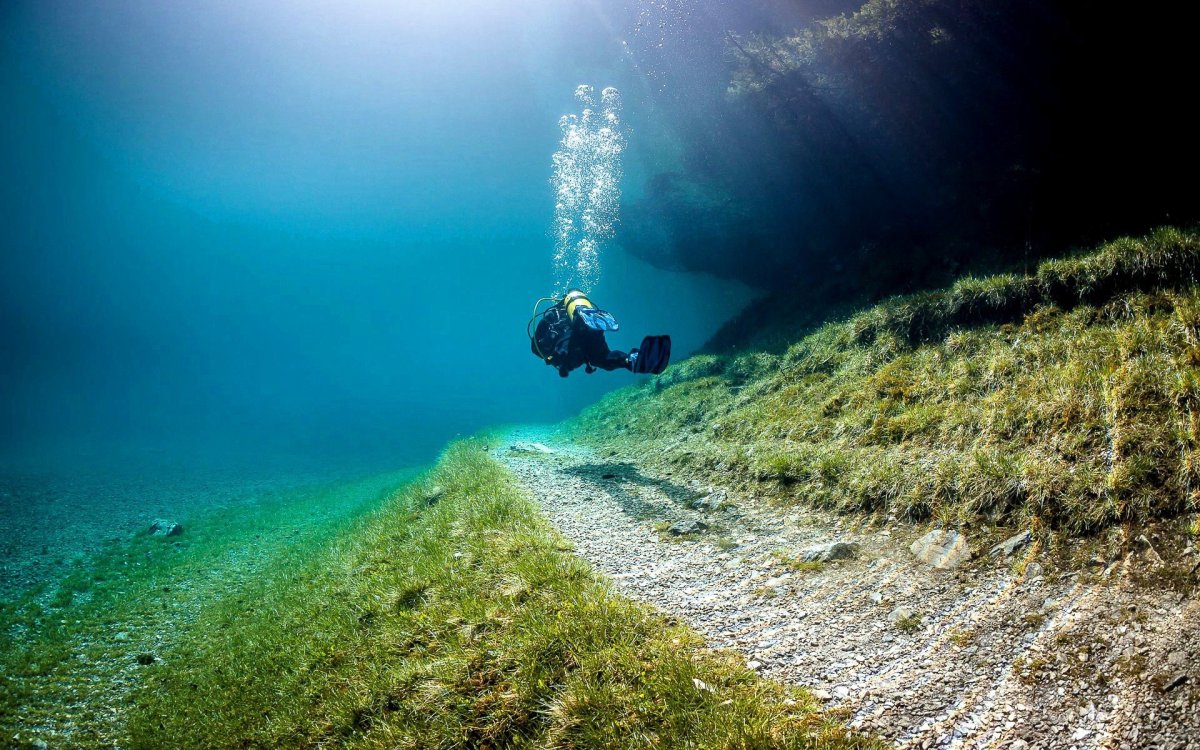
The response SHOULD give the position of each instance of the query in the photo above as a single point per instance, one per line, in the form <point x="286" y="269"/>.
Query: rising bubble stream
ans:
<point x="587" y="187"/>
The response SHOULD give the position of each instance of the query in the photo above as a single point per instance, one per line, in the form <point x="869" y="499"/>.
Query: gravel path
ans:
<point x="989" y="658"/>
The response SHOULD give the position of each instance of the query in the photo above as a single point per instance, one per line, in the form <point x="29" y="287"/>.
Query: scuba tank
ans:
<point x="551" y="337"/>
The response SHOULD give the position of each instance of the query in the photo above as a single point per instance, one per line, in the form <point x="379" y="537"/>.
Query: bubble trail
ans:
<point x="586" y="178"/>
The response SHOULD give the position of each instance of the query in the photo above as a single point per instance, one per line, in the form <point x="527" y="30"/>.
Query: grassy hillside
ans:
<point x="1068" y="397"/>
<point x="454" y="617"/>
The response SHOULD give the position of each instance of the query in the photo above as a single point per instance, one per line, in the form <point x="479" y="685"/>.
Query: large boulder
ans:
<point x="942" y="549"/>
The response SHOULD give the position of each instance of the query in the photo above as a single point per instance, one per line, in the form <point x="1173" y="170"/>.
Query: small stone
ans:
<point x="1033" y="570"/>
<point x="122" y="636"/>
<point x="876" y="598"/>
<point x="1081" y="734"/>
<point x="1009" y="546"/>
<point x="524" y="446"/>
<point x="433" y="494"/>
<point x="40" y="744"/>
<point x="902" y="613"/>
<point x="942" y="549"/>
<point x="712" y="501"/>
<point x="163" y="527"/>
<point x="841" y="691"/>
<point x="830" y="552"/>
<point x="1176" y="681"/>
<point x="680" y="528"/>
<point x="822" y="695"/>
<point x="753" y="664"/>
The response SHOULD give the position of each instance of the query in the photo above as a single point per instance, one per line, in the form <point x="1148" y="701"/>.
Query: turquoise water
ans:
<point x="287" y="240"/>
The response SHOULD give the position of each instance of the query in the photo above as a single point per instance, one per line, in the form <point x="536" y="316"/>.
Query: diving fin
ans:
<point x="652" y="357"/>
<point x="597" y="320"/>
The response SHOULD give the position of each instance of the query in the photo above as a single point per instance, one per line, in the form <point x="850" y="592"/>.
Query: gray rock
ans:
<point x="679" y="528"/>
<point x="163" y="527"/>
<point x="712" y="501"/>
<point x="831" y="551"/>
<point x="902" y="613"/>
<point x="1009" y="546"/>
<point x="942" y="549"/>
<point x="525" y="446"/>
<point x="431" y="495"/>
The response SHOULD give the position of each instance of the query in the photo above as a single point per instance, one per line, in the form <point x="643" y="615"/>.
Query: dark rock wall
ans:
<point x="900" y="145"/>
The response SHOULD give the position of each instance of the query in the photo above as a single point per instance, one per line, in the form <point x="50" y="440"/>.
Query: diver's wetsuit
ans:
<point x="566" y="344"/>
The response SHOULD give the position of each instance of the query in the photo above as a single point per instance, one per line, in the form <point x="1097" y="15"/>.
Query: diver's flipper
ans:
<point x="597" y="320"/>
<point x="653" y="355"/>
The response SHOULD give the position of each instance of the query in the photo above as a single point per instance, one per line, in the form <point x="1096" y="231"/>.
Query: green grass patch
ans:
<point x="1068" y="398"/>
<point x="909" y="624"/>
<point x="69" y="649"/>
<point x="457" y="624"/>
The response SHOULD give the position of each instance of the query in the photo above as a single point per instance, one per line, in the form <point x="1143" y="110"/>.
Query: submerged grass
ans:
<point x="454" y="617"/>
<point x="73" y="650"/>
<point x="1068" y="397"/>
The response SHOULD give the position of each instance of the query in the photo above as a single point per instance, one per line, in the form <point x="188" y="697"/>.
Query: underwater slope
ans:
<point x="1005" y="651"/>
<point x="1066" y="399"/>
<point x="455" y="617"/>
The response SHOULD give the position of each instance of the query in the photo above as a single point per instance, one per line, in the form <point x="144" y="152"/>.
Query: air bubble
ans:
<point x="586" y="178"/>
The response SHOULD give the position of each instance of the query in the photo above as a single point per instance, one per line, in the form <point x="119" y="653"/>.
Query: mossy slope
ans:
<point x="1068" y="397"/>
<point x="454" y="617"/>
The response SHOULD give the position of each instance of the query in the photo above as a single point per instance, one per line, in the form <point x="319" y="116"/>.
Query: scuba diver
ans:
<point x="570" y="333"/>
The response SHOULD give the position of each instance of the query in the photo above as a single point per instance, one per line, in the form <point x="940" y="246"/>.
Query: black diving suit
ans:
<point x="570" y="334"/>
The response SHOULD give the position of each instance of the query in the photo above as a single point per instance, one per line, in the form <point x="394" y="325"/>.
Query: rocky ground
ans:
<point x="955" y="648"/>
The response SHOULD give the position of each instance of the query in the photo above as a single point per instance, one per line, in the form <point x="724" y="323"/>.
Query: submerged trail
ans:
<point x="989" y="655"/>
